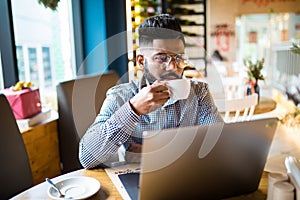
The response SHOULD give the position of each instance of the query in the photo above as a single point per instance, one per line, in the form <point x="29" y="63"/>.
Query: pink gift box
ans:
<point x="25" y="103"/>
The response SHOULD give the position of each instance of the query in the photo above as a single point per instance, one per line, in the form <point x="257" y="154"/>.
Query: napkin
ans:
<point x="293" y="167"/>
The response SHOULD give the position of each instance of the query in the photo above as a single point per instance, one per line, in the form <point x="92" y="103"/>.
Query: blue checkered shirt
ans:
<point x="117" y="124"/>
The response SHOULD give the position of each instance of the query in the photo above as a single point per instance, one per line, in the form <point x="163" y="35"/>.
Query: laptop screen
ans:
<point x="131" y="183"/>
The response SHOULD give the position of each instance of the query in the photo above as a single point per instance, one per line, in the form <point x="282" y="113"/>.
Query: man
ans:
<point x="131" y="108"/>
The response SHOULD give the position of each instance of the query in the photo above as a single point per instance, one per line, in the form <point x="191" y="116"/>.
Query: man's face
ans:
<point x="163" y="61"/>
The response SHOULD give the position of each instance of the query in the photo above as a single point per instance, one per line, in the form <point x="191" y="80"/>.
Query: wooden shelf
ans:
<point x="192" y="14"/>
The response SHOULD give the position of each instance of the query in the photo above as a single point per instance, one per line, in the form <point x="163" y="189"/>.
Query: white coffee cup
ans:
<point x="283" y="190"/>
<point x="179" y="88"/>
<point x="272" y="179"/>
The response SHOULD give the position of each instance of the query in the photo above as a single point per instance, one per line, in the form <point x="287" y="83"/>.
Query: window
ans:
<point x="44" y="45"/>
<point x="33" y="66"/>
<point x="31" y="71"/>
<point x="47" y="67"/>
<point x="20" y="61"/>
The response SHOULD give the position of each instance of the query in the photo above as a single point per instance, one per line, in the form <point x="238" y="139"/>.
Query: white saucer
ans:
<point x="79" y="187"/>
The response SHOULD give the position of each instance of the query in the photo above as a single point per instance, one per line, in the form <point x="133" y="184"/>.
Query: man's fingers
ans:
<point x="161" y="86"/>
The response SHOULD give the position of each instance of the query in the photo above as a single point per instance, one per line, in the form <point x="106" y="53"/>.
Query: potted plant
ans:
<point x="254" y="74"/>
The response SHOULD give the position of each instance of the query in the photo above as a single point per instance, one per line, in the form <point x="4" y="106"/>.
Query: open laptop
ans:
<point x="202" y="162"/>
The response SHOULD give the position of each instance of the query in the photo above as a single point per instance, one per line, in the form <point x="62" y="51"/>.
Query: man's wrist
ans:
<point x="133" y="108"/>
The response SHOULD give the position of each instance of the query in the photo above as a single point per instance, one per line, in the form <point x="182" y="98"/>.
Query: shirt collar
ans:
<point x="143" y="82"/>
<point x="169" y="102"/>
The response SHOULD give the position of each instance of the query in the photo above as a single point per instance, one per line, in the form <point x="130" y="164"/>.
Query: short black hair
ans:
<point x="162" y="26"/>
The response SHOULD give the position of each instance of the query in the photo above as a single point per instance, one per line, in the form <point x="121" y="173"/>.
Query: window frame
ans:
<point x="7" y="45"/>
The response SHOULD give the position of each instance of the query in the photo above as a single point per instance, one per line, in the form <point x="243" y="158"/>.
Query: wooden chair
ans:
<point x="79" y="102"/>
<point x="245" y="105"/>
<point x="15" y="168"/>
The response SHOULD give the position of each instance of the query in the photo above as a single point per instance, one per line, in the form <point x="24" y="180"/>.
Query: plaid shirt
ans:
<point x="117" y="124"/>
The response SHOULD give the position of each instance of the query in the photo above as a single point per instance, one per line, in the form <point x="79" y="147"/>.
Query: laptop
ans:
<point x="202" y="162"/>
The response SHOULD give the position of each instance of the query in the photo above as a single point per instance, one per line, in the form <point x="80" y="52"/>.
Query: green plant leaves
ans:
<point x="52" y="4"/>
<point x="295" y="48"/>
<point x="254" y="69"/>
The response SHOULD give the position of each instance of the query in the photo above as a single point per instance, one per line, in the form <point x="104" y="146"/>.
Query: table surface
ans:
<point x="107" y="188"/>
<point x="265" y="105"/>
<point x="109" y="191"/>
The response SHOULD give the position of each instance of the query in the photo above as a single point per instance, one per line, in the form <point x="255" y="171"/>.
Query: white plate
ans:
<point x="79" y="187"/>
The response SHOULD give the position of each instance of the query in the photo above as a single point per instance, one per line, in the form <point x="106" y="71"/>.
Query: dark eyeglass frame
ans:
<point x="164" y="59"/>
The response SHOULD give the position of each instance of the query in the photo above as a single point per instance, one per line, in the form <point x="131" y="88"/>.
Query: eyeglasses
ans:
<point x="165" y="59"/>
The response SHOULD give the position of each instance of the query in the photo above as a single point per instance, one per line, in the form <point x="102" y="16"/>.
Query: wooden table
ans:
<point x="109" y="191"/>
<point x="265" y="105"/>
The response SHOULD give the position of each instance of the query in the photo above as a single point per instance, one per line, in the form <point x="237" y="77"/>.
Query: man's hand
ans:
<point x="133" y="153"/>
<point x="150" y="98"/>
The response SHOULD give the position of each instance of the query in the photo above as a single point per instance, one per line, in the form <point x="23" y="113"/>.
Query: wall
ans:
<point x="94" y="36"/>
<point x="104" y="37"/>
<point x="225" y="12"/>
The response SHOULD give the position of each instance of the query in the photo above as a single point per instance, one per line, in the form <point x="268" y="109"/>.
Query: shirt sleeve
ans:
<point x="112" y="127"/>
<point x="208" y="113"/>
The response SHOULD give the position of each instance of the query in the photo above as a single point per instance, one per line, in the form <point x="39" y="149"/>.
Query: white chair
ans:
<point x="234" y="87"/>
<point x="245" y="105"/>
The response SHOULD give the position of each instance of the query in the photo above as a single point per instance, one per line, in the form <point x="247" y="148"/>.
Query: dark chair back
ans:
<point x="79" y="102"/>
<point x="15" y="168"/>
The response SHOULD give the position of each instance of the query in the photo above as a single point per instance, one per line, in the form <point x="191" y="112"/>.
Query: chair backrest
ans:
<point x="233" y="87"/>
<point x="245" y="105"/>
<point x="15" y="169"/>
<point x="79" y="102"/>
